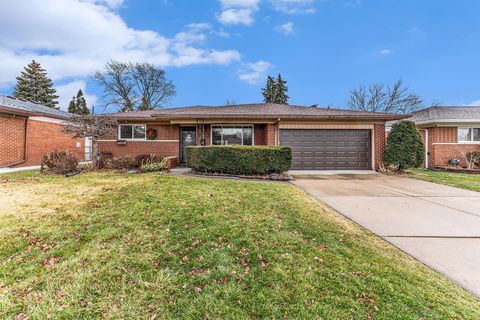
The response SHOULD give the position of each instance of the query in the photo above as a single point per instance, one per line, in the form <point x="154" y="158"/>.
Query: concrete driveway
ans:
<point x="436" y="224"/>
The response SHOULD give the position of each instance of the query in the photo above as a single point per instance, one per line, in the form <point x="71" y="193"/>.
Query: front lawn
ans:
<point x="111" y="246"/>
<point x="460" y="180"/>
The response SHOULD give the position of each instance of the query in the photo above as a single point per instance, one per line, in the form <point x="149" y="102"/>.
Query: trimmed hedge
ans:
<point x="240" y="160"/>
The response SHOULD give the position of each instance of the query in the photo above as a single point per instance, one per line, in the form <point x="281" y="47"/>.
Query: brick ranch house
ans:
<point x="28" y="131"/>
<point x="446" y="131"/>
<point x="320" y="138"/>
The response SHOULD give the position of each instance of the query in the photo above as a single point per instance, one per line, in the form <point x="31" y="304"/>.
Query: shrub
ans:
<point x="244" y="160"/>
<point x="472" y="159"/>
<point x="59" y="162"/>
<point x="405" y="147"/>
<point x="122" y="162"/>
<point x="146" y="159"/>
<point x="154" y="166"/>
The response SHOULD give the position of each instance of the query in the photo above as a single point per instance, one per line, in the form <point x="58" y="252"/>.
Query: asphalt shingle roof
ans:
<point x="446" y="113"/>
<point x="30" y="107"/>
<point x="253" y="110"/>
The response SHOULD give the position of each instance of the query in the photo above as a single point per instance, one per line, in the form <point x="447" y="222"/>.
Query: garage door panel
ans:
<point x="325" y="149"/>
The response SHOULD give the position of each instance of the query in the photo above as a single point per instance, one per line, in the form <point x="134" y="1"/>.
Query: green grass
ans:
<point x="460" y="180"/>
<point x="153" y="247"/>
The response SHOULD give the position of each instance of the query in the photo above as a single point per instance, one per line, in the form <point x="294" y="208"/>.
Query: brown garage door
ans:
<point x="321" y="149"/>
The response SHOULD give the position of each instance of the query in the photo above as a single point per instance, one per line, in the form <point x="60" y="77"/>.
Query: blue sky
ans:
<point x="218" y="50"/>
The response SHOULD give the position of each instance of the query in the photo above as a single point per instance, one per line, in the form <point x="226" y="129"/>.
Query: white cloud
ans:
<point x="286" y="28"/>
<point x="44" y="30"/>
<point x="254" y="72"/>
<point x="236" y="16"/>
<point x="239" y="3"/>
<point x="67" y="91"/>
<point x="293" y="6"/>
<point x="385" y="51"/>
<point x="242" y="11"/>
<point x="237" y="12"/>
<point x="474" y="103"/>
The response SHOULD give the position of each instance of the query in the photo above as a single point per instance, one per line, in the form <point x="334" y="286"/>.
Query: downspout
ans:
<point x="25" y="126"/>
<point x="426" y="149"/>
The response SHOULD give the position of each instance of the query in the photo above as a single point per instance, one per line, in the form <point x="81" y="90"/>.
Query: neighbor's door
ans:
<point x="187" y="138"/>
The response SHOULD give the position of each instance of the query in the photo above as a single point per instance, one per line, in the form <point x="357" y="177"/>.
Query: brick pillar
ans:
<point x="379" y="139"/>
<point x="270" y="135"/>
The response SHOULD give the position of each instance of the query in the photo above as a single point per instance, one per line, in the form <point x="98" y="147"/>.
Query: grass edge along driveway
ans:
<point x="459" y="180"/>
<point x="153" y="247"/>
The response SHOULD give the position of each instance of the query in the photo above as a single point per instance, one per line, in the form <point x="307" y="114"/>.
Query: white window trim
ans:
<point x="233" y="126"/>
<point x="471" y="141"/>
<point x="132" y="124"/>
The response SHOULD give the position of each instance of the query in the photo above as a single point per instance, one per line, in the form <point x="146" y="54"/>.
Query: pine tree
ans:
<point x="281" y="90"/>
<point x="81" y="104"/>
<point x="78" y="105"/>
<point x="72" y="106"/>
<point x="34" y="85"/>
<point x="269" y="94"/>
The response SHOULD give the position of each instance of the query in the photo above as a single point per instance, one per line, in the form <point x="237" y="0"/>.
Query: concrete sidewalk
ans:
<point x="436" y="224"/>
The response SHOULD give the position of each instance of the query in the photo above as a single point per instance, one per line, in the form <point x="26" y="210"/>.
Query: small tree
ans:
<point x="91" y="127"/>
<point x="281" y="90"/>
<point x="34" y="85"/>
<point x="269" y="91"/>
<point x="405" y="147"/>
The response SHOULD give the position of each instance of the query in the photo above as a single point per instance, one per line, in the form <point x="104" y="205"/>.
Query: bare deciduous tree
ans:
<point x="378" y="97"/>
<point x="118" y="87"/>
<point x="134" y="86"/>
<point x="152" y="85"/>
<point x="91" y="127"/>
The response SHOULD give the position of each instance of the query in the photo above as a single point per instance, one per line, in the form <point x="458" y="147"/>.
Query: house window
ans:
<point x="468" y="134"/>
<point x="132" y="131"/>
<point x="232" y="135"/>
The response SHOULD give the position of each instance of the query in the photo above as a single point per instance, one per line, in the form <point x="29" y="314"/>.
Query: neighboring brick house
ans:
<point x="447" y="131"/>
<point x="321" y="138"/>
<point x="28" y="131"/>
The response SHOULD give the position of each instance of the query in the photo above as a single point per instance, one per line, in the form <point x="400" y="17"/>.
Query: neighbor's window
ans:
<point x="232" y="135"/>
<point x="132" y="131"/>
<point x="468" y="134"/>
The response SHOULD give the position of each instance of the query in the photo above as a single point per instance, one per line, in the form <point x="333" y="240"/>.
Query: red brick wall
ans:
<point x="11" y="139"/>
<point x="45" y="137"/>
<point x="135" y="148"/>
<point x="259" y="134"/>
<point x="271" y="134"/>
<point x="166" y="144"/>
<point x="379" y="144"/>
<point x="444" y="152"/>
<point x="443" y="146"/>
<point x="42" y="138"/>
